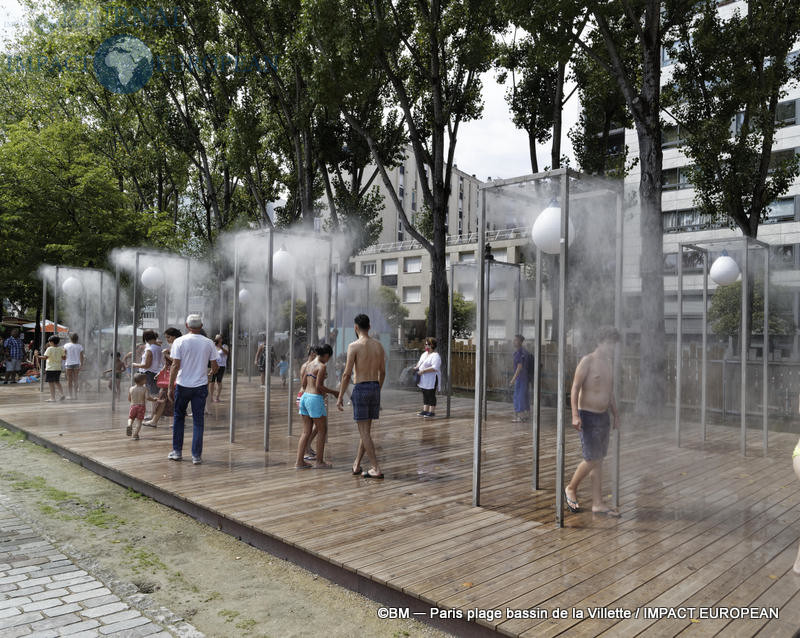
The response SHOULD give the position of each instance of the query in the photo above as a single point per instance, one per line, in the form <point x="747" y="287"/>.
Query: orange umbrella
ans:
<point x="48" y="326"/>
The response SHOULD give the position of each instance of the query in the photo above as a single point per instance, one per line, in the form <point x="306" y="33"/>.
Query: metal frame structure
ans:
<point x="135" y="281"/>
<point x="564" y="175"/>
<point x="270" y="234"/>
<point x="745" y="244"/>
<point x="487" y="299"/>
<point x="56" y="292"/>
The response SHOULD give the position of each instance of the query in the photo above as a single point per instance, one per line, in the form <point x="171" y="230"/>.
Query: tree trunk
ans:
<point x="652" y="361"/>
<point x="555" y="153"/>
<point x="532" y="151"/>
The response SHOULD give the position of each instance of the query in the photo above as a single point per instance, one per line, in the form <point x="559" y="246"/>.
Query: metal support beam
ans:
<point x="679" y="349"/>
<point x="765" y="360"/>
<point x="480" y="355"/>
<point x="744" y="334"/>
<point x="291" y="399"/>
<point x="537" y="376"/>
<point x="704" y="354"/>
<point x="234" y="348"/>
<point x="115" y="342"/>
<point x="268" y="337"/>
<point x="562" y="348"/>
<point x="618" y="321"/>
<point x="450" y="340"/>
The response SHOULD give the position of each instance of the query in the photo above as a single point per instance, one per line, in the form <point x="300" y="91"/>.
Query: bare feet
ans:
<point x="604" y="510"/>
<point x="322" y="465"/>
<point x="304" y="466"/>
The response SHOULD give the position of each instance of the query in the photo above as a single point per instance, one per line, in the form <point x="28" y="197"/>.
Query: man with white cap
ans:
<point x="188" y="382"/>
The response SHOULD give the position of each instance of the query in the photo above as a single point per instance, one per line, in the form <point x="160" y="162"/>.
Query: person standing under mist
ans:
<point x="151" y="361"/>
<point x="222" y="363"/>
<point x="429" y="368"/>
<point x="14" y="352"/>
<point x="592" y="397"/>
<point x="367" y="359"/>
<point x="520" y="381"/>
<point x="73" y="364"/>
<point x="54" y="355"/>
<point x="188" y="382"/>
<point x="312" y="408"/>
<point x="261" y="357"/>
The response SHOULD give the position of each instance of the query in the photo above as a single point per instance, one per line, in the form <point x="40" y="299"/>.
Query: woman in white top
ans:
<point x="222" y="362"/>
<point x="73" y="364"/>
<point x="429" y="369"/>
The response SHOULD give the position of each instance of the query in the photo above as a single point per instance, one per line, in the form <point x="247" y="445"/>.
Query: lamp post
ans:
<point x="283" y="270"/>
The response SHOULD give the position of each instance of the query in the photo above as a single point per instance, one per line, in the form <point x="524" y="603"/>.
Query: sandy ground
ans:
<point x="220" y="585"/>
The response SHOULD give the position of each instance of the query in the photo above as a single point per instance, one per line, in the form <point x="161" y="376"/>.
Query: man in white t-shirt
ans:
<point x="188" y="382"/>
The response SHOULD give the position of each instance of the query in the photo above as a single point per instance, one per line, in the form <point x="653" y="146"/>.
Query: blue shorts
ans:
<point x="366" y="400"/>
<point x="595" y="429"/>
<point x="313" y="405"/>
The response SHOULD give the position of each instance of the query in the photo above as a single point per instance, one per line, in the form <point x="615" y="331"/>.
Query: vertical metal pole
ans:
<point x="765" y="357"/>
<point x="268" y="340"/>
<point x="290" y="398"/>
<point x="537" y="376"/>
<point x="249" y="350"/>
<point x="100" y="332"/>
<point x="328" y="296"/>
<point x="480" y="355"/>
<point x="43" y="338"/>
<point x="704" y="353"/>
<point x="679" y="349"/>
<point x="234" y="348"/>
<point x="745" y="333"/>
<point x="562" y="348"/>
<point x="115" y="341"/>
<point x="450" y="340"/>
<point x="313" y="337"/>
<point x="221" y="306"/>
<point x="186" y="299"/>
<point x="135" y="314"/>
<point x="55" y="304"/>
<point x="485" y="336"/>
<point x="618" y="310"/>
<point x="337" y="314"/>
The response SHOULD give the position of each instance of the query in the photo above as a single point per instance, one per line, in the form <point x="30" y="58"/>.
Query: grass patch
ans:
<point x="143" y="560"/>
<point x="33" y="483"/>
<point x="132" y="493"/>
<point x="246" y="624"/>
<point x="101" y="517"/>
<point x="228" y="614"/>
<point x="8" y="435"/>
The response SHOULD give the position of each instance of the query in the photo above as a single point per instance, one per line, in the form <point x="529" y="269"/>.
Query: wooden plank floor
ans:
<point x="701" y="526"/>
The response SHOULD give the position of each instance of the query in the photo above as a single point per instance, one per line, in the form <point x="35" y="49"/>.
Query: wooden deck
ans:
<point x="701" y="526"/>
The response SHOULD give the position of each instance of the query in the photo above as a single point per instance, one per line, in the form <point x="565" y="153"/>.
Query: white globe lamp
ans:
<point x="72" y="287"/>
<point x="152" y="277"/>
<point x="724" y="271"/>
<point x="546" y="230"/>
<point x="244" y="296"/>
<point x="282" y="265"/>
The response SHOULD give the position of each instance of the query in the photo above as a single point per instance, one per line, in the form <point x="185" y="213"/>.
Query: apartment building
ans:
<point x="683" y="223"/>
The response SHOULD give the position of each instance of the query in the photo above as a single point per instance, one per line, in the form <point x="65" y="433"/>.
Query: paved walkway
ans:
<point x="43" y="593"/>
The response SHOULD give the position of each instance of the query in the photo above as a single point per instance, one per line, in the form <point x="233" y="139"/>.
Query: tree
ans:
<point x="725" y="312"/>
<point x="432" y="56"/>
<point x="735" y="71"/>
<point x="634" y="32"/>
<point x="393" y="311"/>
<point x="463" y="317"/>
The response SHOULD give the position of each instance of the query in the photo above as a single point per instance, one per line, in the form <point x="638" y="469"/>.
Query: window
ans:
<point x="402" y="169"/>
<point x="400" y="234"/>
<point x="781" y="210"/>
<point x="414" y="199"/>
<point x="686" y="220"/>
<point x="447" y="261"/>
<point x="412" y="294"/>
<point x="670" y="262"/>
<point x="466" y="258"/>
<point x="496" y="329"/>
<point x="401" y="191"/>
<point x="389" y="267"/>
<point x="500" y="254"/>
<point x="369" y="268"/>
<point x="412" y="264"/>
<point x="675" y="178"/>
<point x="460" y="190"/>
<point x="671" y="136"/>
<point x="467" y="291"/>
<point x="786" y="113"/>
<point x="783" y="255"/>
<point x="779" y="157"/>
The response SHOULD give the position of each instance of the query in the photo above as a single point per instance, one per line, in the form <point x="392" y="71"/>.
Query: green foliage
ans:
<point x="389" y="304"/>
<point x="463" y="316"/>
<point x="423" y="221"/>
<point x="300" y="317"/>
<point x="735" y="70"/>
<point x="725" y="313"/>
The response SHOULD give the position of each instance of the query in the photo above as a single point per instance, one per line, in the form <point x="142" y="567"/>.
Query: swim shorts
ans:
<point x="595" y="429"/>
<point x="366" y="400"/>
<point x="312" y="405"/>
<point x="52" y="376"/>
<point x="136" y="412"/>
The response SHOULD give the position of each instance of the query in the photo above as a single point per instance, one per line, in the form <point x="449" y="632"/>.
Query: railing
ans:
<point x="452" y="240"/>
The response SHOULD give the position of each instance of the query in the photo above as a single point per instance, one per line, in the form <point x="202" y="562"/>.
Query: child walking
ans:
<point x="54" y="355"/>
<point x="283" y="367"/>
<point x="137" y="395"/>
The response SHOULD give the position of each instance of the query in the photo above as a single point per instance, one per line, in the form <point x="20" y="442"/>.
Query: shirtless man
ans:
<point x="592" y="398"/>
<point x="366" y="357"/>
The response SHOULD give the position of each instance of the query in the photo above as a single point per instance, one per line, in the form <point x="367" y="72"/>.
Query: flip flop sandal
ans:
<point x="357" y="471"/>
<point x="371" y="476"/>
<point x="572" y="506"/>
